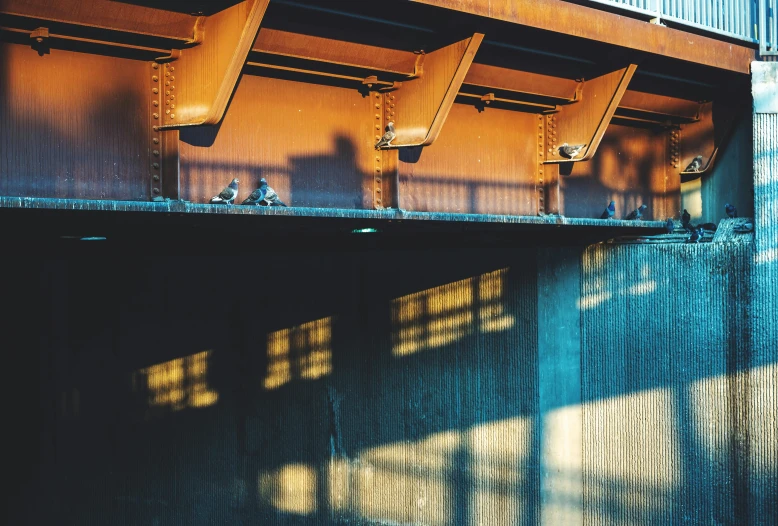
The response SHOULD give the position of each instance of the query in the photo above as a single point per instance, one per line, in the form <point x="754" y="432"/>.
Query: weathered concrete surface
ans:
<point x="763" y="398"/>
<point x="665" y="383"/>
<point x="559" y="374"/>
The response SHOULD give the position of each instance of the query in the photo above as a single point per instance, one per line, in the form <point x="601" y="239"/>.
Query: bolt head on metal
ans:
<point x="155" y="115"/>
<point x="155" y="65"/>
<point x="156" y="178"/>
<point x="155" y="190"/>
<point x="155" y="78"/>
<point x="154" y="90"/>
<point x="156" y="166"/>
<point x="155" y="152"/>
<point x="155" y="140"/>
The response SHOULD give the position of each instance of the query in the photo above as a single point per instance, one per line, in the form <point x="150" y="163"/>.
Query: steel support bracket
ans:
<point x="208" y="73"/>
<point x="585" y="121"/>
<point x="716" y="122"/>
<point x="423" y="103"/>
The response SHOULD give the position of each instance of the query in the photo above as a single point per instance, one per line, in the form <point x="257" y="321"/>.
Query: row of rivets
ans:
<point x="541" y="207"/>
<point x="154" y="161"/>
<point x="170" y="97"/>
<point x="675" y="148"/>
<point x="378" y="170"/>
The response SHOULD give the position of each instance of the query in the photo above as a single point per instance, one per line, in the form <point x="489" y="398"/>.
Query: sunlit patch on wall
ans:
<point x="291" y="488"/>
<point x="300" y="352"/>
<point x="179" y="383"/>
<point x="441" y="315"/>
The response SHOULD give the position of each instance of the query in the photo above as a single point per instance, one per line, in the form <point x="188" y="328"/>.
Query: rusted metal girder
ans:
<point x="207" y="73"/>
<point x="585" y="121"/>
<point x="596" y="24"/>
<point x="424" y="102"/>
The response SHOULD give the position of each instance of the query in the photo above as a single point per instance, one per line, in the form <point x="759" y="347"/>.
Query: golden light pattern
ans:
<point x="421" y="481"/>
<point x="630" y="441"/>
<point x="300" y="352"/>
<point x="441" y="315"/>
<point x="180" y="383"/>
<point x="291" y="488"/>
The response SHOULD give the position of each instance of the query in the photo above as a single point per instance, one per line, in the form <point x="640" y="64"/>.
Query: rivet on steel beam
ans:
<point x="155" y="190"/>
<point x="377" y="127"/>
<point x="377" y="158"/>
<point x="391" y="105"/>
<point x="156" y="166"/>
<point x="378" y="106"/>
<point x="172" y="79"/>
<point x="378" y="190"/>
<point x="156" y="178"/>
<point x="156" y="152"/>
<point x="540" y="181"/>
<point x="155" y="103"/>
<point x="171" y="96"/>
<point x="167" y="73"/>
<point x="378" y="169"/>
<point x="172" y="116"/>
<point x="172" y="106"/>
<point x="377" y="137"/>
<point x="377" y="179"/>
<point x="171" y="89"/>
<point x="167" y="111"/>
<point x="167" y="102"/>
<point x="167" y="66"/>
<point x="167" y="83"/>
<point x="155" y="78"/>
<point x="155" y="140"/>
<point x="172" y="68"/>
<point x="154" y="90"/>
<point x="155" y="128"/>
<point x="540" y="190"/>
<point x="155" y="115"/>
<point x="167" y="92"/>
<point x="377" y="96"/>
<point x="155" y="65"/>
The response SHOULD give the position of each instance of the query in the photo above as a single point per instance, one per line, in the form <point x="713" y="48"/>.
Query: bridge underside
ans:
<point x="118" y="101"/>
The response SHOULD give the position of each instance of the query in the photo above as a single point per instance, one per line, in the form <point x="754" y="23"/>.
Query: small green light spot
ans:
<point x="93" y="238"/>
<point x="364" y="231"/>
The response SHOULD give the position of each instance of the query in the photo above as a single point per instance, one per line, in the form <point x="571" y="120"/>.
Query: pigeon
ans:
<point x="746" y="227"/>
<point x="570" y="151"/>
<point x="258" y="195"/>
<point x="387" y="138"/>
<point x="708" y="226"/>
<point x="637" y="213"/>
<point x="228" y="195"/>
<point x="610" y="211"/>
<point x="730" y="210"/>
<point x="670" y="225"/>
<point x="696" y="236"/>
<point x="695" y="165"/>
<point x="270" y="197"/>
<point x="685" y="217"/>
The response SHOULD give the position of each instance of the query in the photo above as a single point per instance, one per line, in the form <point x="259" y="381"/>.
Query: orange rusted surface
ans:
<point x="610" y="28"/>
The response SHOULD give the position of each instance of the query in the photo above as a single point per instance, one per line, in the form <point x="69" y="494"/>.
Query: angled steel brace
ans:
<point x="205" y="76"/>
<point x="585" y="121"/>
<point x="424" y="102"/>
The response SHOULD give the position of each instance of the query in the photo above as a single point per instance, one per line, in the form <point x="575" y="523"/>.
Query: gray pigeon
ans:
<point x="686" y="217"/>
<point x="637" y="213"/>
<point x="387" y="138"/>
<point x="271" y="197"/>
<point x="670" y="225"/>
<point x="570" y="151"/>
<point x="696" y="236"/>
<point x="228" y="195"/>
<point x="730" y="210"/>
<point x="609" y="211"/>
<point x="695" y="165"/>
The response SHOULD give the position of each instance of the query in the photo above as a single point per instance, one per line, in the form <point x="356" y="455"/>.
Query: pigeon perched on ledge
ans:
<point x="696" y="236"/>
<point x="387" y="138"/>
<point x="228" y="195"/>
<point x="264" y="196"/>
<point x="570" y="151"/>
<point x="670" y="225"/>
<point x="609" y="211"/>
<point x="744" y="228"/>
<point x="695" y="165"/>
<point x="730" y="210"/>
<point x="637" y="213"/>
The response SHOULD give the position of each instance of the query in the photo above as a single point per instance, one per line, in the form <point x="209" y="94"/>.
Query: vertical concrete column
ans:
<point x="763" y="361"/>
<point x="560" y="422"/>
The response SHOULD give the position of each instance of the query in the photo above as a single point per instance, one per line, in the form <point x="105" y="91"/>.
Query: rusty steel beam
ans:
<point x="105" y="14"/>
<point x="208" y="73"/>
<point x="423" y="103"/>
<point x="585" y="121"/>
<point x="602" y="26"/>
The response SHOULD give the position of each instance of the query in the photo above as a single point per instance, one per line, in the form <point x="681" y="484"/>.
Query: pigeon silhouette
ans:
<point x="744" y="228"/>
<point x="696" y="236"/>
<point x="228" y="195"/>
<point x="609" y="211"/>
<point x="257" y="196"/>
<point x="387" y="138"/>
<point x="637" y="213"/>
<point x="670" y="225"/>
<point x="695" y="165"/>
<point x="570" y="151"/>
<point x="730" y="210"/>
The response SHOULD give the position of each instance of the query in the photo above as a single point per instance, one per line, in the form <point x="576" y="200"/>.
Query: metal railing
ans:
<point x="752" y="21"/>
